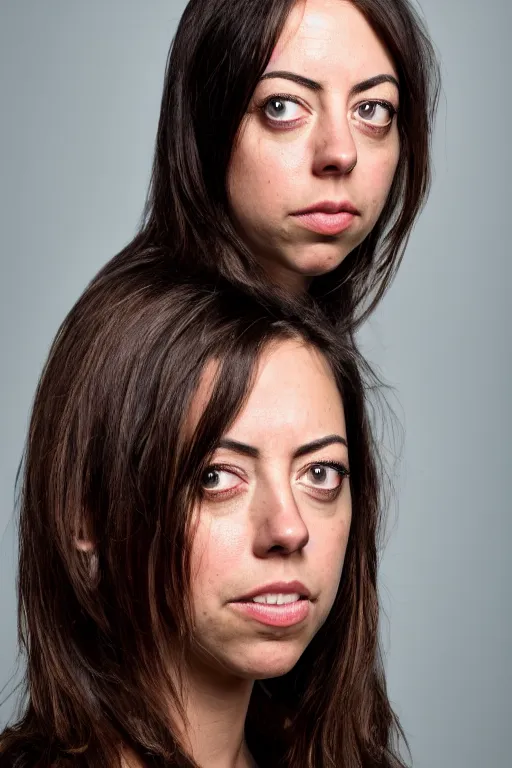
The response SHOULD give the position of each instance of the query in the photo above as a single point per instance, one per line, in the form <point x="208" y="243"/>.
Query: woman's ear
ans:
<point x="84" y="545"/>
<point x="84" y="540"/>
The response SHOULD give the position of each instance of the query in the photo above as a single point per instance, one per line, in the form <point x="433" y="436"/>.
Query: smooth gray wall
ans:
<point x="80" y="86"/>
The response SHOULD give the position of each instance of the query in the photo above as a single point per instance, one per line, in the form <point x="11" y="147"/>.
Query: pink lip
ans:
<point x="328" y="206"/>
<point x="275" y="615"/>
<point x="278" y="588"/>
<point x="327" y="218"/>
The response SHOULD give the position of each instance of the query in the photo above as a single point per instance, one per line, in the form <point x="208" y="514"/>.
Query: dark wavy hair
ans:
<point x="109" y="453"/>
<point x="218" y="55"/>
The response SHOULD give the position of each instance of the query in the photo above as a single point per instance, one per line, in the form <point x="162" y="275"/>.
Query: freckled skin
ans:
<point x="328" y="154"/>
<point x="275" y="527"/>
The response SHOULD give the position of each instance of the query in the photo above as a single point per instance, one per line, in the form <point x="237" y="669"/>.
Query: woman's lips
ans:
<point x="285" y="615"/>
<point x="326" y="223"/>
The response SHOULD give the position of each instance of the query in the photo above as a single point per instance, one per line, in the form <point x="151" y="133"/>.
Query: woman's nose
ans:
<point x="279" y="526"/>
<point x="335" y="150"/>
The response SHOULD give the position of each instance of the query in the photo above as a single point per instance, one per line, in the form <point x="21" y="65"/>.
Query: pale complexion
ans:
<point x="276" y="507"/>
<point x="321" y="126"/>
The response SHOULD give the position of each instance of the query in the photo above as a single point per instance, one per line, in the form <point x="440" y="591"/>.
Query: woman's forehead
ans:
<point x="294" y="399"/>
<point x="333" y="34"/>
<point x="293" y="390"/>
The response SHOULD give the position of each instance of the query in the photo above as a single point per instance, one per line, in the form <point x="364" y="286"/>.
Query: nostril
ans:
<point x="339" y="169"/>
<point x="278" y="548"/>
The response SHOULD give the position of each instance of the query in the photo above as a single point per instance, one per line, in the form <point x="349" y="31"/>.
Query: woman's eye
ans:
<point x="281" y="109"/>
<point x="377" y="113"/>
<point x="324" y="477"/>
<point x="218" y="480"/>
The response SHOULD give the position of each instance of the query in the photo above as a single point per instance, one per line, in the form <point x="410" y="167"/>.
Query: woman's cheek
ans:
<point x="218" y="549"/>
<point x="377" y="183"/>
<point x="384" y="172"/>
<point x="330" y="554"/>
<point x="264" y="170"/>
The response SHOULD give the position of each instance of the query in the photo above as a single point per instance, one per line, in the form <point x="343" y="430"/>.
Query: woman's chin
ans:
<point x="316" y="259"/>
<point x="272" y="661"/>
<point x="306" y="261"/>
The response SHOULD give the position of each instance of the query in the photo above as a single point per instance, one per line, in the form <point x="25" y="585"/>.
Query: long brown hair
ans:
<point x="109" y="458"/>
<point x="219" y="53"/>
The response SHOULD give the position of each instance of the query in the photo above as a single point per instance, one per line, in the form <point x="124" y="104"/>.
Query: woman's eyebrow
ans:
<point x="364" y="85"/>
<point x="299" y="79"/>
<point x="243" y="448"/>
<point x="254" y="453"/>
<point x="316" y="445"/>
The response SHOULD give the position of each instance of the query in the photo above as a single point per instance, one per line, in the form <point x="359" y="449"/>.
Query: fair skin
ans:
<point x="333" y="138"/>
<point x="276" y="509"/>
<point x="274" y="518"/>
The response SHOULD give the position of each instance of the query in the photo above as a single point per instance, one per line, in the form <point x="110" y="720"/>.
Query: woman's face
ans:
<point x="320" y="134"/>
<point x="273" y="523"/>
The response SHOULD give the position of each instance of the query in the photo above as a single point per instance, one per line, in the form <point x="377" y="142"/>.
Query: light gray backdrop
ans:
<point x="80" y="87"/>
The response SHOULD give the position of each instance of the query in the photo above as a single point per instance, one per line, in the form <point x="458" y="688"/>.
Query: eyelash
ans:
<point x="219" y="494"/>
<point x="386" y="105"/>
<point x="291" y="97"/>
<point x="328" y="494"/>
<point x="331" y="493"/>
<point x="284" y="97"/>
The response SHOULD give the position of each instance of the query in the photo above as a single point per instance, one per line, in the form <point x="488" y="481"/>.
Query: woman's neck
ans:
<point x="216" y="707"/>
<point x="290" y="281"/>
